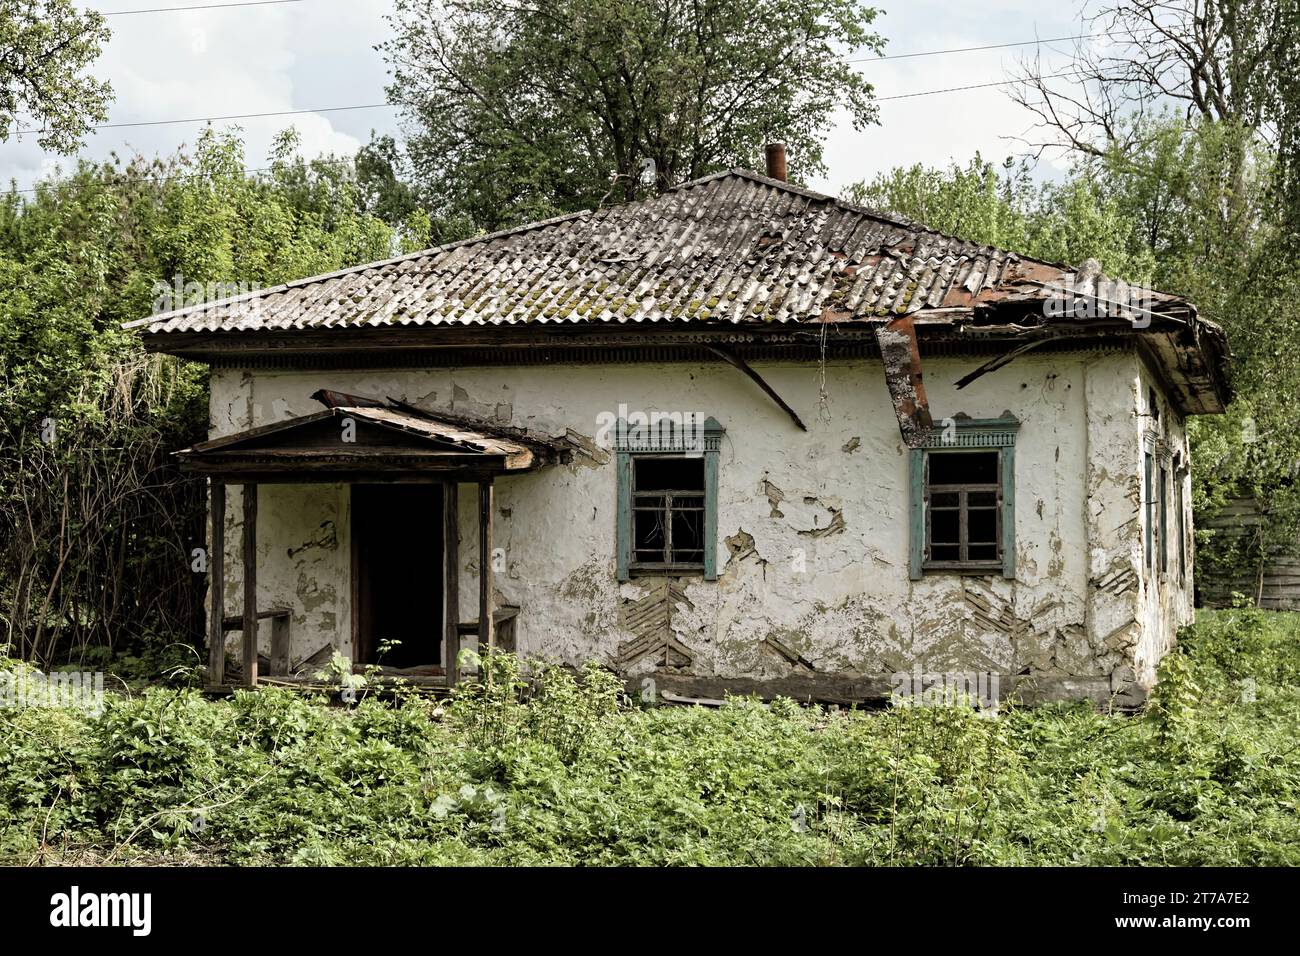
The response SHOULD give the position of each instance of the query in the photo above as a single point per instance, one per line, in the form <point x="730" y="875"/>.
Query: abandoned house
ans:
<point x="738" y="437"/>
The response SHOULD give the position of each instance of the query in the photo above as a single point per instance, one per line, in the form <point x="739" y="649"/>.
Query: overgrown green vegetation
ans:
<point x="575" y="774"/>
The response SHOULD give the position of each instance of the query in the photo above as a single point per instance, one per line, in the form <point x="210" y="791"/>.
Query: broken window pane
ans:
<point x="981" y="526"/>
<point x="964" y="502"/>
<point x="945" y="527"/>
<point x="648" y="535"/>
<point x="671" y="473"/>
<point x="963" y="467"/>
<point x="945" y="552"/>
<point x="945" y="499"/>
<point x="668" y="511"/>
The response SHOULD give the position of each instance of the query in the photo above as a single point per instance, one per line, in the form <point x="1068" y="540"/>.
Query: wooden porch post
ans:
<point x="217" y="587"/>
<point x="486" y="633"/>
<point x="451" y="575"/>
<point x="250" y="584"/>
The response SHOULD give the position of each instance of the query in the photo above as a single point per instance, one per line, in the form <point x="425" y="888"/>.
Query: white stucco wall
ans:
<point x="826" y="571"/>
<point x="1166" y="597"/>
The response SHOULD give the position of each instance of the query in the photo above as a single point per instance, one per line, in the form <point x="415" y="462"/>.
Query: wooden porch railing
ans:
<point x="280" y="619"/>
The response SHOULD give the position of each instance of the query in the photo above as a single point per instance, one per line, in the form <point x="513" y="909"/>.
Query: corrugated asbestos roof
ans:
<point x="733" y="247"/>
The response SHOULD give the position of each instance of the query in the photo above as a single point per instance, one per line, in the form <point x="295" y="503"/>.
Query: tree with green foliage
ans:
<point x="98" y="524"/>
<point x="1168" y="206"/>
<point x="1204" y="199"/>
<point x="522" y="110"/>
<point x="46" y="46"/>
<point x="1064" y="222"/>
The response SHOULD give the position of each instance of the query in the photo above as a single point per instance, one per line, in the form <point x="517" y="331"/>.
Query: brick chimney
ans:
<point x="775" y="156"/>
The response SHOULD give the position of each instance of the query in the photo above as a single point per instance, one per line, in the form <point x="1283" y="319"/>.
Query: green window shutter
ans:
<point x="1149" y="530"/>
<point x="711" y="515"/>
<point x="713" y="432"/>
<point x="624" y="536"/>
<point x="1009" y="511"/>
<point x="916" y="464"/>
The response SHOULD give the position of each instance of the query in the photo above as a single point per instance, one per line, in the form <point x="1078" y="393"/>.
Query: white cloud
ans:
<point x="946" y="127"/>
<point x="320" y="53"/>
<point x="264" y="59"/>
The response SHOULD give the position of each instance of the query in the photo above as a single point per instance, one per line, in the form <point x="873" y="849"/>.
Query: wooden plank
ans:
<point x="250" y="585"/>
<point x="820" y="688"/>
<point x="235" y="622"/>
<point x="217" y="586"/>
<point x="502" y="615"/>
<point x="280" y="644"/>
<point x="343" y="476"/>
<point x="901" y="355"/>
<point x="486" y="630"/>
<point x="451" y="574"/>
<point x="737" y="362"/>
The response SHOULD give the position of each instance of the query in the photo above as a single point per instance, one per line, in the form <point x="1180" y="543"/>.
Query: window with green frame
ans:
<point x="963" y="498"/>
<point x="668" y="499"/>
<point x="1156" y="464"/>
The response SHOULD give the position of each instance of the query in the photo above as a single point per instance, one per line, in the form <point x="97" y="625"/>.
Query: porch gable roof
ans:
<point x="363" y="442"/>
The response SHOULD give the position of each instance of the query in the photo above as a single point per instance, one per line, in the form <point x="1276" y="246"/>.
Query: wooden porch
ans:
<point x="353" y="444"/>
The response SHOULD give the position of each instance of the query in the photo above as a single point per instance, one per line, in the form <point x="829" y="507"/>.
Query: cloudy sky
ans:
<point x="318" y="54"/>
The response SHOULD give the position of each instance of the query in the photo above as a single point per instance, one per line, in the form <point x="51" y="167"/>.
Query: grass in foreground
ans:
<point x="1209" y="774"/>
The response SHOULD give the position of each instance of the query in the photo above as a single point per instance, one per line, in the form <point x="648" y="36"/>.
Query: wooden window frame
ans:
<point x="964" y="434"/>
<point x="963" y="490"/>
<point x="671" y="444"/>
<point x="1157" y="472"/>
<point x="667" y="565"/>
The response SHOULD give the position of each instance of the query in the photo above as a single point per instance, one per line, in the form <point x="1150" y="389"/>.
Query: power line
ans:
<point x="376" y="106"/>
<point x="898" y="96"/>
<point x="989" y="46"/>
<point x="205" y="6"/>
<point x="233" y="116"/>
<point x="371" y="106"/>
<point x="969" y="49"/>
<point x="976" y="86"/>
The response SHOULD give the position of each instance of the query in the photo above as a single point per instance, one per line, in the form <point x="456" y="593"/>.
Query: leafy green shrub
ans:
<point x="542" y="765"/>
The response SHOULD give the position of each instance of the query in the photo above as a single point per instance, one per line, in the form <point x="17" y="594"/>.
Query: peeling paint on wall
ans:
<point x="812" y="545"/>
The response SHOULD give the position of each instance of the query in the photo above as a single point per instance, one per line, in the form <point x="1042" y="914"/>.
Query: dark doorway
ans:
<point x="397" y="557"/>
